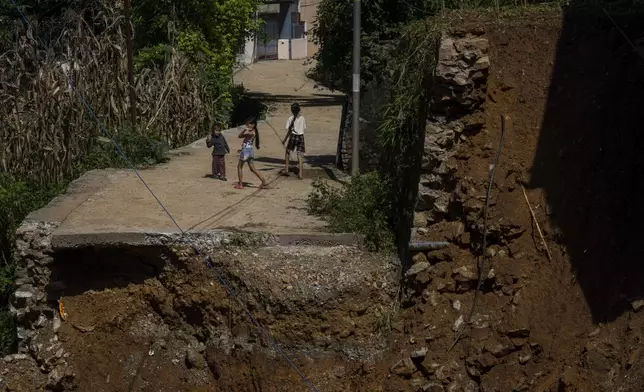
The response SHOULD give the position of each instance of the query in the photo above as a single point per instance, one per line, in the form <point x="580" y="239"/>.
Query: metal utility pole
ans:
<point x="255" y="38"/>
<point x="130" y="62"/>
<point x="355" y="116"/>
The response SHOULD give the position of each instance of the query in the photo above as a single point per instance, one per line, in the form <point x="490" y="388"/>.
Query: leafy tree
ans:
<point x="209" y="31"/>
<point x="381" y="23"/>
<point x="216" y="26"/>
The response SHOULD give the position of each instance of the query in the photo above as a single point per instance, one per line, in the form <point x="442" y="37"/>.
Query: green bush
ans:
<point x="8" y="334"/>
<point x="18" y="197"/>
<point x="361" y="206"/>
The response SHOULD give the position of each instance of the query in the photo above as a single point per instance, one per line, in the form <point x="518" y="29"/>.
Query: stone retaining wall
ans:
<point x="456" y="112"/>
<point x="457" y="96"/>
<point x="34" y="258"/>
<point x="33" y="302"/>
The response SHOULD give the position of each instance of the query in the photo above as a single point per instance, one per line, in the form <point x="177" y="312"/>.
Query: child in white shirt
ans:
<point x="294" y="139"/>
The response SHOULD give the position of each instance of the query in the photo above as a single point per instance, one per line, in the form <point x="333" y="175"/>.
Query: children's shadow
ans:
<point x="250" y="185"/>
<point x="246" y="184"/>
<point x="210" y="176"/>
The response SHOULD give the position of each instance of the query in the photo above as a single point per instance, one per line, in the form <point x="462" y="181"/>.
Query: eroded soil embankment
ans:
<point x="570" y="87"/>
<point x="157" y="318"/>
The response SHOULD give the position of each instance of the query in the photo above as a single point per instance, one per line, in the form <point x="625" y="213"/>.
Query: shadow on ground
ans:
<point x="316" y="164"/>
<point x="313" y="100"/>
<point x="77" y="271"/>
<point x="590" y="159"/>
<point x="311" y="160"/>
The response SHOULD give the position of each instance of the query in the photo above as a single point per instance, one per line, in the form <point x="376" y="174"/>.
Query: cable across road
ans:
<point x="206" y="257"/>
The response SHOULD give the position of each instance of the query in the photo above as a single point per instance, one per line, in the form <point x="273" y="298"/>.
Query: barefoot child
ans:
<point x="295" y="127"/>
<point x="219" y="150"/>
<point x="250" y="134"/>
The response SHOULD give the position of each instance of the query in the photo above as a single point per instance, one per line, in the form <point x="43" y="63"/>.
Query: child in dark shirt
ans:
<point x="219" y="150"/>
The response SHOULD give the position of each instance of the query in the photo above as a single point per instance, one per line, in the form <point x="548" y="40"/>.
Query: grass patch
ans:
<point x="361" y="206"/>
<point x="384" y="322"/>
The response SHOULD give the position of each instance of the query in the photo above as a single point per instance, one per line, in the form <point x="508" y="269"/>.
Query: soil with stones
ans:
<point x="162" y="320"/>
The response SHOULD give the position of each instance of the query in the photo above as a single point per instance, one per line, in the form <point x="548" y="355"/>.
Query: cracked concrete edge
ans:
<point x="202" y="240"/>
<point x="71" y="239"/>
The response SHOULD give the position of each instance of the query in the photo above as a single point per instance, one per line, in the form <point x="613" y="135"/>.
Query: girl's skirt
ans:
<point x="246" y="154"/>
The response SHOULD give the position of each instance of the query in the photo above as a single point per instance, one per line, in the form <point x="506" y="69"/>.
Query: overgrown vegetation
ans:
<point x="361" y="206"/>
<point x="410" y="70"/>
<point x="396" y="110"/>
<point x="46" y="130"/>
<point x="209" y="32"/>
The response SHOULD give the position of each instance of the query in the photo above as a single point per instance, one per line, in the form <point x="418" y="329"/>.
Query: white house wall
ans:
<point x="285" y="46"/>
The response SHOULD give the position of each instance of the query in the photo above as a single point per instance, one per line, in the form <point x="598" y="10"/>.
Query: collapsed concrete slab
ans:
<point x="96" y="246"/>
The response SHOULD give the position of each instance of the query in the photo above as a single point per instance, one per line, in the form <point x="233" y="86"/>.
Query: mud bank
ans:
<point x="157" y="316"/>
<point x="564" y="82"/>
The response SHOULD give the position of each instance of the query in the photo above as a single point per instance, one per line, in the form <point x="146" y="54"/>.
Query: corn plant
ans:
<point x="46" y="129"/>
